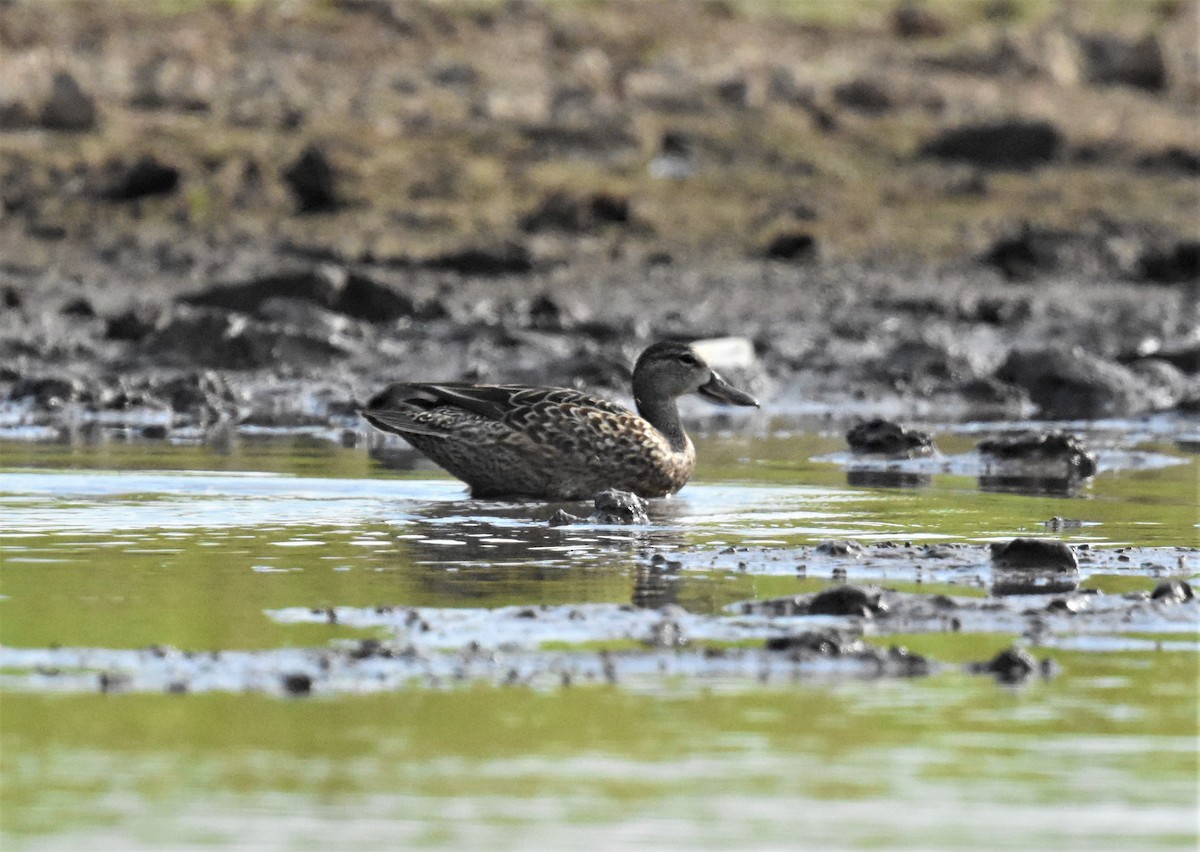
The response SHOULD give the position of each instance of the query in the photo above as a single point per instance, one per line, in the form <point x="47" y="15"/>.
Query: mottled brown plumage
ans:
<point x="556" y="443"/>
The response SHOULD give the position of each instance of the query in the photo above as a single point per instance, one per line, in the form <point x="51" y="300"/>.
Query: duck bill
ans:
<point x="719" y="390"/>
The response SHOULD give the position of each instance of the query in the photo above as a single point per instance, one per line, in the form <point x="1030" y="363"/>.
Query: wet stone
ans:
<point x="887" y="438"/>
<point x="297" y="684"/>
<point x="69" y="107"/>
<point x="1013" y="665"/>
<point x="1008" y="144"/>
<point x="1034" y="554"/>
<point x="313" y="182"/>
<point x="847" y="600"/>
<point x="562" y="518"/>
<point x="145" y="177"/>
<point x="1173" y="591"/>
<point x="1042" y="448"/>
<point x="840" y="547"/>
<point x="619" y="507"/>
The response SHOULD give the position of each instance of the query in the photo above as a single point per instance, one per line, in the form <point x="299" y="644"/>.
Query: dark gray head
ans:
<point x="669" y="370"/>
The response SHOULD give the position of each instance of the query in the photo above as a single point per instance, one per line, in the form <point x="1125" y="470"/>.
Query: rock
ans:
<point x="297" y="684"/>
<point x="839" y="547"/>
<point x="864" y="95"/>
<point x="49" y="391"/>
<point x="313" y="182"/>
<point x="147" y="176"/>
<point x="1014" y="144"/>
<point x="913" y="20"/>
<point x="814" y="643"/>
<point x="792" y="245"/>
<point x="1113" y="60"/>
<point x="846" y="600"/>
<point x="508" y="258"/>
<point x="79" y="307"/>
<point x="577" y="213"/>
<point x="1031" y="252"/>
<point x="133" y="325"/>
<point x="887" y="438"/>
<point x="1171" y="264"/>
<point x="204" y="395"/>
<point x="1037" y="554"/>
<point x="1040" y="448"/>
<point x="365" y="298"/>
<point x="328" y="286"/>
<point x="1173" y="591"/>
<point x="1164" y="384"/>
<point x="1011" y="666"/>
<point x="69" y="108"/>
<point x="563" y="518"/>
<point x="227" y="341"/>
<point x="1173" y="160"/>
<point x="1066" y="383"/>
<point x="322" y="285"/>
<point x="619" y="507"/>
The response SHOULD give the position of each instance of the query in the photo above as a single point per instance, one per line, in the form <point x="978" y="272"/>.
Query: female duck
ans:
<point x="556" y="443"/>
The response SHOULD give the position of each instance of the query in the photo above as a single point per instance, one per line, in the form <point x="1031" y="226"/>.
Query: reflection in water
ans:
<point x="511" y="544"/>
<point x="864" y="477"/>
<point x="1008" y="581"/>
<point x="1051" y="486"/>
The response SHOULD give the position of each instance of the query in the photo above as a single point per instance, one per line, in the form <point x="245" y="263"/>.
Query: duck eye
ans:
<point x="689" y="359"/>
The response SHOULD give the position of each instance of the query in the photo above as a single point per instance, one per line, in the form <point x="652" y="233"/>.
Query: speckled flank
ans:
<point x="555" y="443"/>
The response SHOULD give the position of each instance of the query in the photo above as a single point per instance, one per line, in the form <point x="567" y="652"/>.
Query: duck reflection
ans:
<point x="500" y="553"/>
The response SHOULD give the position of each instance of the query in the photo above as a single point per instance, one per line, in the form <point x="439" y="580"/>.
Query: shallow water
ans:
<point x="239" y="564"/>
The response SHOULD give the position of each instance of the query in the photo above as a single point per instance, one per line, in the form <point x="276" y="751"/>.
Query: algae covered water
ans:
<point x="285" y="643"/>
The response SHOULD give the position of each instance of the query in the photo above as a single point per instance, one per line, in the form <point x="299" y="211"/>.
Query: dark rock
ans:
<point x="1172" y="160"/>
<point x="1039" y="448"/>
<point x="133" y="325"/>
<point x="322" y="285"/>
<point x="353" y="294"/>
<point x="508" y="258"/>
<point x="79" y="307"/>
<point x="1011" y="666"/>
<point x="313" y="181"/>
<point x="145" y="177"/>
<point x="203" y="394"/>
<point x="69" y="107"/>
<point x="48" y="392"/>
<point x="547" y="314"/>
<point x="1035" y="554"/>
<point x="619" y="507"/>
<point x="573" y="213"/>
<point x="1113" y="60"/>
<point x="12" y="298"/>
<point x="1008" y="144"/>
<point x="563" y="518"/>
<point x="913" y="20"/>
<point x="1173" y="591"/>
<point x="297" y="684"/>
<point x="1172" y="264"/>
<point x="1030" y="252"/>
<point x="864" y="95"/>
<point x="918" y="362"/>
<point x="846" y="600"/>
<point x="886" y="438"/>
<point x="791" y="245"/>
<point x="831" y="644"/>
<point x="367" y="299"/>
<point x="839" y="547"/>
<point x="1067" y="383"/>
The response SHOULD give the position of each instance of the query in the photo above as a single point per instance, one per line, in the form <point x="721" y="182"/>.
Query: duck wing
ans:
<point x="425" y="408"/>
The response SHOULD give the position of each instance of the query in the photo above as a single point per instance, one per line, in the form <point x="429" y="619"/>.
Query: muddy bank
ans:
<point x="204" y="229"/>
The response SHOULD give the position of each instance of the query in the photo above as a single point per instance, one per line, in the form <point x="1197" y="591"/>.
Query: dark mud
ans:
<point x="190" y="243"/>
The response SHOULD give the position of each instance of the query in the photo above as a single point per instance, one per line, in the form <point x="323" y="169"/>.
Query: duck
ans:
<point x="553" y="443"/>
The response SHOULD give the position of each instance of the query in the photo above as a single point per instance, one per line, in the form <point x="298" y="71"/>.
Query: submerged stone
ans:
<point x="619" y="507"/>
<point x="1035" y="554"/>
